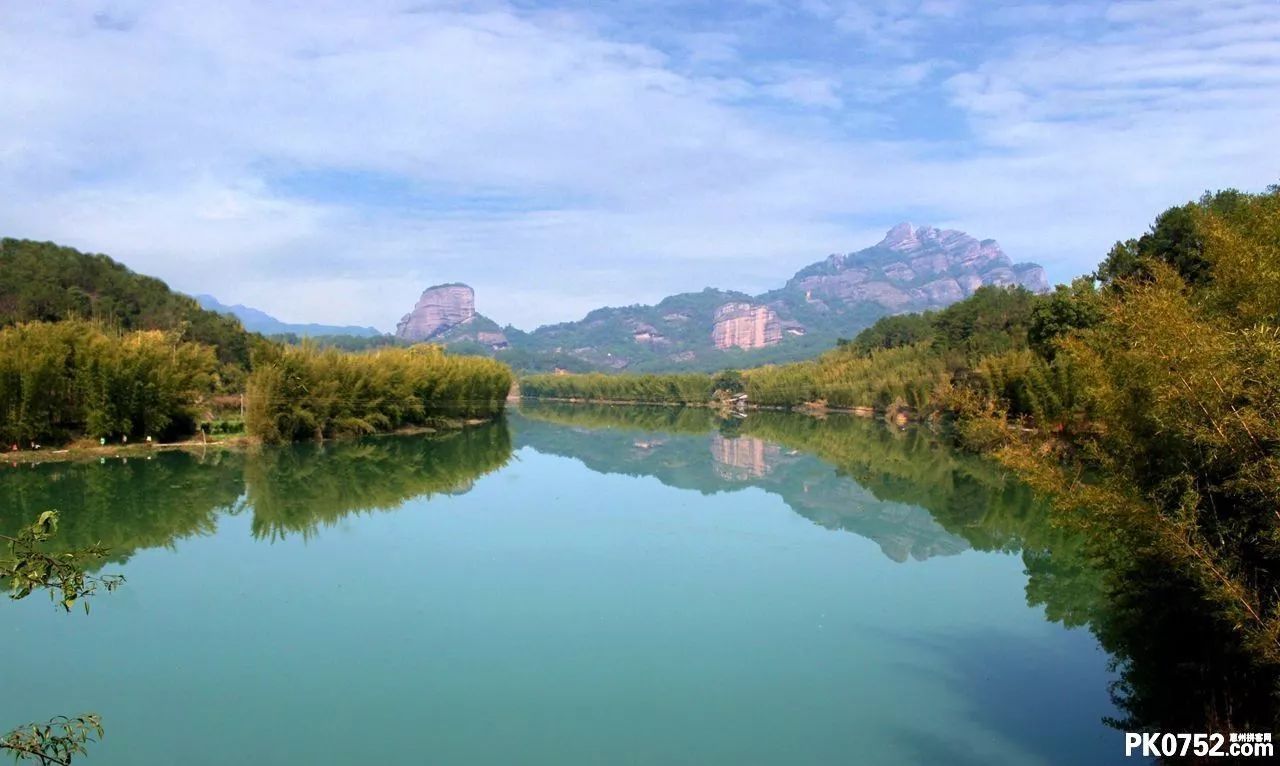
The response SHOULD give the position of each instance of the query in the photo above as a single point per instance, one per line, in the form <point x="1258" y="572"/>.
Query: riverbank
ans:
<point x="815" y="409"/>
<point x="86" y="450"/>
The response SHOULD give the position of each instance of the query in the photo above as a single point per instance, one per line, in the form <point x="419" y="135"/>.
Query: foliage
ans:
<point x="75" y="377"/>
<point x="40" y="281"/>
<point x="894" y="331"/>
<point x="729" y="382"/>
<point x="1025" y="384"/>
<point x="676" y="388"/>
<point x="992" y="320"/>
<point x="342" y="342"/>
<point x="1182" y="376"/>
<point x="29" y="568"/>
<point x="1066" y="310"/>
<point x="845" y="378"/>
<point x="1176" y="239"/>
<point x="306" y="392"/>
<point x="56" y="742"/>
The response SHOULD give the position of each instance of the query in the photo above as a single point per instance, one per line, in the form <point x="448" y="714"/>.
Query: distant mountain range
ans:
<point x="262" y="322"/>
<point x="911" y="269"/>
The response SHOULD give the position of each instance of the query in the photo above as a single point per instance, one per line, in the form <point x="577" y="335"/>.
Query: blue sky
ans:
<point x="325" y="161"/>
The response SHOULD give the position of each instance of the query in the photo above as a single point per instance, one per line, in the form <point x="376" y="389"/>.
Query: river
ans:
<point x="571" y="585"/>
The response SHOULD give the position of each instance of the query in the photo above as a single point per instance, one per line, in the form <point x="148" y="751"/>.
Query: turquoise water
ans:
<point x="564" y="589"/>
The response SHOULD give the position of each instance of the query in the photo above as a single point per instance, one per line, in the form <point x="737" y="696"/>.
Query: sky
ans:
<point x="326" y="161"/>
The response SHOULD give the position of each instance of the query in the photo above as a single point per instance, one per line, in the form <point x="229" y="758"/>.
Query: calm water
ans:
<point x="575" y="586"/>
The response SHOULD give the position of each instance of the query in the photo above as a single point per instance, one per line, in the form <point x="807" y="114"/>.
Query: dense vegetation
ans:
<point x="62" y="379"/>
<point x="40" y="281"/>
<point x="676" y="388"/>
<point x="343" y="342"/>
<point x="907" y="361"/>
<point x="304" y="392"/>
<point x="90" y="349"/>
<point x="1180" y="371"/>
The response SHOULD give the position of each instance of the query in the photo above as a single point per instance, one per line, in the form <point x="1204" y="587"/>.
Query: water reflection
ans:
<point x="907" y="491"/>
<point x="299" y="489"/>
<point x="137" y="503"/>
<point x="126" y="505"/>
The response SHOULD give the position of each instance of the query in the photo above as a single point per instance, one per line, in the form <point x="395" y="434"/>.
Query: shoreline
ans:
<point x="807" y="408"/>
<point x="85" y="453"/>
<point x="73" y="453"/>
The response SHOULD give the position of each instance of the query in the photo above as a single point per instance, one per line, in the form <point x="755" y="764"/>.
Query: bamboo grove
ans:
<point x="60" y="381"/>
<point x="306" y="392"/>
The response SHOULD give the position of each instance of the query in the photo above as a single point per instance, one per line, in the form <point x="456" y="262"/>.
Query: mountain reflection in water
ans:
<point x="906" y="490"/>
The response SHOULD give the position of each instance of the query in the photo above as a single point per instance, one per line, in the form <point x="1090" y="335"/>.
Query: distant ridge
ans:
<point x="262" y="322"/>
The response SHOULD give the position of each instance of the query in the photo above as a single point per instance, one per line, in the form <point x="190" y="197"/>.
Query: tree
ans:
<point x="896" y="330"/>
<point x="1176" y="239"/>
<point x="1067" y="309"/>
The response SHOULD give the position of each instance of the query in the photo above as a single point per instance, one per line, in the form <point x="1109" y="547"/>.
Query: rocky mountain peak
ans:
<point x="903" y="237"/>
<point x="438" y="310"/>
<point x="911" y="269"/>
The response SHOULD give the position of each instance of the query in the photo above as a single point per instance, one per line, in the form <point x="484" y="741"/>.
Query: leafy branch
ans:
<point x="55" y="742"/>
<point x="29" y="568"/>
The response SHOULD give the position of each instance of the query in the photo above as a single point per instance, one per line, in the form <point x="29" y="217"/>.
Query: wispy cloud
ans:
<point x="326" y="160"/>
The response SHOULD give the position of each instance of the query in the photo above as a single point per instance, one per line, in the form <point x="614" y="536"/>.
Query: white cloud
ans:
<point x="556" y="165"/>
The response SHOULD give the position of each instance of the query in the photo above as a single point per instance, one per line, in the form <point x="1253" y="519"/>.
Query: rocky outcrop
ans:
<point x="440" y="309"/>
<point x="915" y="268"/>
<point x="746" y="326"/>
<point x="494" y="340"/>
<point x="647" y="333"/>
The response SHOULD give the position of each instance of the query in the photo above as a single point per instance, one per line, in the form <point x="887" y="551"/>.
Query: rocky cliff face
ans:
<point x="746" y="326"/>
<point x="440" y="309"/>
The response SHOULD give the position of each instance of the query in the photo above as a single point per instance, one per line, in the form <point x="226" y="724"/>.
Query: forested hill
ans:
<point x="42" y="281"/>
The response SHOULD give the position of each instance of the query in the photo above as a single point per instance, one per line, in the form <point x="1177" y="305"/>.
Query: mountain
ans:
<point x="911" y="269"/>
<point x="262" y="322"/>
<point x="42" y="281"/>
<point x="447" y="314"/>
